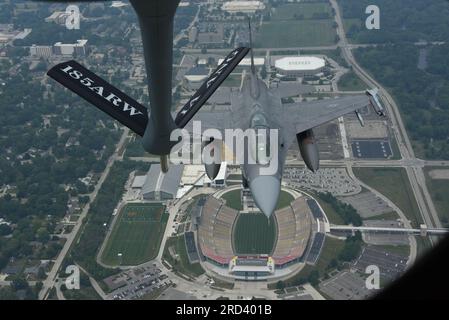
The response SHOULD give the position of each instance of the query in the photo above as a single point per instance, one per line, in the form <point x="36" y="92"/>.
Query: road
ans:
<point x="346" y="45"/>
<point x="415" y="174"/>
<point x="49" y="282"/>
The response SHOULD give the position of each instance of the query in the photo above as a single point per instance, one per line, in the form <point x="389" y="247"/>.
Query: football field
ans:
<point x="253" y="234"/>
<point x="137" y="234"/>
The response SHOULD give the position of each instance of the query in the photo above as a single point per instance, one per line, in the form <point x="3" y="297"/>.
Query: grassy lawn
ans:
<point x="137" y="234"/>
<point x="254" y="234"/>
<point x="293" y="33"/>
<point x="331" y="214"/>
<point x="384" y="216"/>
<point x="439" y="189"/>
<point x="394" y="184"/>
<point x="233" y="199"/>
<point x="181" y="264"/>
<point x="350" y="82"/>
<point x="284" y="200"/>
<point x="309" y="10"/>
<point x="402" y="250"/>
<point x="331" y="249"/>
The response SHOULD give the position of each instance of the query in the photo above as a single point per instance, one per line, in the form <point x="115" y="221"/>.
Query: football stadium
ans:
<point x="245" y="245"/>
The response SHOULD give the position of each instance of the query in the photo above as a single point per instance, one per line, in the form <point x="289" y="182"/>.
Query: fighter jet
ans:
<point x="256" y="106"/>
<point x="156" y="123"/>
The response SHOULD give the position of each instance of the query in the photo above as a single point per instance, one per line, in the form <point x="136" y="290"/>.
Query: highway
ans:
<point x="50" y="281"/>
<point x="415" y="173"/>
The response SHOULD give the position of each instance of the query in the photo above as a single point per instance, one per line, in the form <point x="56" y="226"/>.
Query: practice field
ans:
<point x="307" y="10"/>
<point x="136" y="235"/>
<point x="253" y="234"/>
<point x="295" y="33"/>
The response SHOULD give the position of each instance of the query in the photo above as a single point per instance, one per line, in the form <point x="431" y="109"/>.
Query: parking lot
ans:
<point x="390" y="265"/>
<point x="140" y="281"/>
<point x="333" y="180"/>
<point x="371" y="149"/>
<point x="346" y="285"/>
<point x="367" y="204"/>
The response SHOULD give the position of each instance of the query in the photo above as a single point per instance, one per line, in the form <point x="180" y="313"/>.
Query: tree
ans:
<point x="19" y="283"/>
<point x="314" y="277"/>
<point x="280" y="285"/>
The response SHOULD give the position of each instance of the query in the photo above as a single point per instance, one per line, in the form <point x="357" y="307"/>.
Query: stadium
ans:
<point x="299" y="66"/>
<point x="245" y="245"/>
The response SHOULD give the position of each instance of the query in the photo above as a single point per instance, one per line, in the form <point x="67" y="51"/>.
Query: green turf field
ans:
<point x="233" y="199"/>
<point x="394" y="184"/>
<point x="439" y="189"/>
<point x="298" y="11"/>
<point x="294" y="33"/>
<point x="350" y="82"/>
<point x="137" y="234"/>
<point x="253" y="234"/>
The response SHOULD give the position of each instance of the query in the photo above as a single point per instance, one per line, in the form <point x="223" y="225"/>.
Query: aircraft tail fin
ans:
<point x="210" y="86"/>
<point x="101" y="94"/>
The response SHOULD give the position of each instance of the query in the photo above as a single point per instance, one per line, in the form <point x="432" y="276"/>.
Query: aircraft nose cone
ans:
<point x="265" y="191"/>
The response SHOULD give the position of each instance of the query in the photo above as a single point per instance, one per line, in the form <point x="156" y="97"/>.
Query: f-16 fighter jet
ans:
<point x="258" y="107"/>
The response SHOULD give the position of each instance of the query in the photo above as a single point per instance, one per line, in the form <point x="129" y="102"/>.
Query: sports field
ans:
<point x="253" y="234"/>
<point x="307" y="10"/>
<point x="293" y="33"/>
<point x="136" y="235"/>
<point x="297" y="25"/>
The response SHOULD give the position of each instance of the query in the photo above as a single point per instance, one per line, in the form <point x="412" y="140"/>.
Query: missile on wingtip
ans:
<point x="212" y="170"/>
<point x="212" y="148"/>
<point x="309" y="150"/>
<point x="373" y="95"/>
<point x="359" y="116"/>
<point x="164" y="163"/>
<point x="265" y="191"/>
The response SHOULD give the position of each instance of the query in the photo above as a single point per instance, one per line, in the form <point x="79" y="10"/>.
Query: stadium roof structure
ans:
<point x="246" y="62"/>
<point x="156" y="180"/>
<point x="196" y="74"/>
<point x="300" y="63"/>
<point x="138" y="181"/>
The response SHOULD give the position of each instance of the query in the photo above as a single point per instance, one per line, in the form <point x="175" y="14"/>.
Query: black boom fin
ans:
<point x="210" y="86"/>
<point x="101" y="94"/>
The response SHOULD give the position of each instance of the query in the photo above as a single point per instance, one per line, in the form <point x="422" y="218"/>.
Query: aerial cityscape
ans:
<point x="347" y="99"/>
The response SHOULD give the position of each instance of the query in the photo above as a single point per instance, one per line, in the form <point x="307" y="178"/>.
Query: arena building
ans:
<point x="243" y="6"/>
<point x="299" y="66"/>
<point x="157" y="186"/>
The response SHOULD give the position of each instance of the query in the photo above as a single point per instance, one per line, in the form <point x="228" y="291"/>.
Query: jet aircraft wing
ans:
<point x="307" y="115"/>
<point x="287" y="89"/>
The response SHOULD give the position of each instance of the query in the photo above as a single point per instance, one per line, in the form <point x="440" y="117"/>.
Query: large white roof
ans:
<point x="301" y="63"/>
<point x="243" y="6"/>
<point x="246" y="62"/>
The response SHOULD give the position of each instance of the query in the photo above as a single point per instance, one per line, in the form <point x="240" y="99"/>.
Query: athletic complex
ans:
<point x="245" y="245"/>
